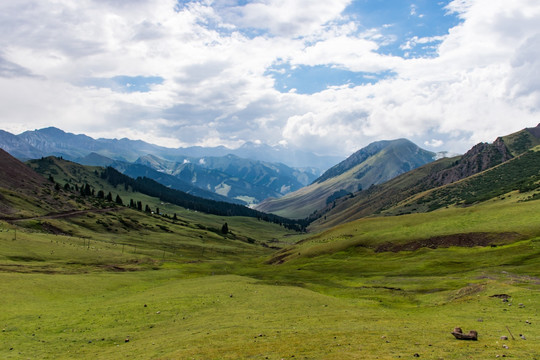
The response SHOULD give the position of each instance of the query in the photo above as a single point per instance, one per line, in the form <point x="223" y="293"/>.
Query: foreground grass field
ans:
<point x="126" y="285"/>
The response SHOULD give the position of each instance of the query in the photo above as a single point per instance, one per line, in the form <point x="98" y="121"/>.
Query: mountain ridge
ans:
<point x="56" y="142"/>
<point x="371" y="165"/>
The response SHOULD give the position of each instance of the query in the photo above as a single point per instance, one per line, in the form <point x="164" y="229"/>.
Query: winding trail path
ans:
<point x="61" y="215"/>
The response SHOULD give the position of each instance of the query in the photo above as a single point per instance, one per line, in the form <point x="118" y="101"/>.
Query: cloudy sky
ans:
<point x="328" y="76"/>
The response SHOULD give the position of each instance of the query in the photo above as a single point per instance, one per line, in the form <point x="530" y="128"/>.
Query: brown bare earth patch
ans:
<point x="278" y="259"/>
<point x="16" y="175"/>
<point x="61" y="215"/>
<point x="444" y="241"/>
<point x="29" y="269"/>
<point x="118" y="268"/>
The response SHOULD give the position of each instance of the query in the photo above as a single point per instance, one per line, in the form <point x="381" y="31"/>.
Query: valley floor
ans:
<point x="174" y="294"/>
<point x="157" y="315"/>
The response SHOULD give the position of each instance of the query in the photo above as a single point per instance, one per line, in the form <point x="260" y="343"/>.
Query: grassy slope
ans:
<point x="521" y="141"/>
<point x="66" y="299"/>
<point x="406" y="193"/>
<point x="507" y="215"/>
<point x="497" y="181"/>
<point x="74" y="174"/>
<point x="384" y="195"/>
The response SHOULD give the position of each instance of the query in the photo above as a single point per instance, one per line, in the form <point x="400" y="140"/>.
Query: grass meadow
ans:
<point x="126" y="285"/>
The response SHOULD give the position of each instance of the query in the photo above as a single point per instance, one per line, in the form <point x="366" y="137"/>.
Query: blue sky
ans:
<point x="397" y="20"/>
<point x="405" y="20"/>
<point x="328" y="77"/>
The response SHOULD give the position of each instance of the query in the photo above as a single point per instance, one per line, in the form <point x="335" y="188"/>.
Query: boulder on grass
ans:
<point x="458" y="334"/>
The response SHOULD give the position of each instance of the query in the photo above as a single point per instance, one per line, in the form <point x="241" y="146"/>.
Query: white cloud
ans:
<point x="215" y="57"/>
<point x="352" y="53"/>
<point x="415" y="40"/>
<point x="435" y="143"/>
<point x="284" y="17"/>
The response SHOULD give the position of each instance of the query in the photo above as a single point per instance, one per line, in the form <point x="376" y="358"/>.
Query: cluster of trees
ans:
<point x="139" y="206"/>
<point x="152" y="188"/>
<point x="86" y="190"/>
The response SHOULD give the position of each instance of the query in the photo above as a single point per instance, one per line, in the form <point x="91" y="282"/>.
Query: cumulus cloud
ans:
<point x="284" y="17"/>
<point x="349" y="52"/>
<point x="216" y="62"/>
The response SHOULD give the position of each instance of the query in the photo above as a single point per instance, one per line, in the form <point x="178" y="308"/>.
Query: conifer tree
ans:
<point x="225" y="229"/>
<point x="87" y="190"/>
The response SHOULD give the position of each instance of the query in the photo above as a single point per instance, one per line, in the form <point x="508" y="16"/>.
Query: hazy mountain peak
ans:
<point x="404" y="149"/>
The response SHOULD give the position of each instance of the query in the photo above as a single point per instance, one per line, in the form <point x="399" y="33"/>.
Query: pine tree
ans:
<point x="87" y="190"/>
<point x="225" y="229"/>
<point x="109" y="197"/>
<point x="118" y="200"/>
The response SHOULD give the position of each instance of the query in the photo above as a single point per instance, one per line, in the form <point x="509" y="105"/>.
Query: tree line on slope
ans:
<point x="152" y="188"/>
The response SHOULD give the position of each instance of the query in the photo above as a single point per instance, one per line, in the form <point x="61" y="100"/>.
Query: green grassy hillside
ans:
<point x="521" y="141"/>
<point x="417" y="190"/>
<point x="96" y="184"/>
<point x="521" y="173"/>
<point x="500" y="220"/>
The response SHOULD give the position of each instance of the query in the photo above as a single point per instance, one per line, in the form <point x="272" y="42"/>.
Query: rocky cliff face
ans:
<point x="479" y="158"/>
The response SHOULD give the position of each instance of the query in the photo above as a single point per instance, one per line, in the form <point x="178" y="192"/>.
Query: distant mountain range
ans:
<point x="53" y="141"/>
<point x="213" y="173"/>
<point x="374" y="164"/>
